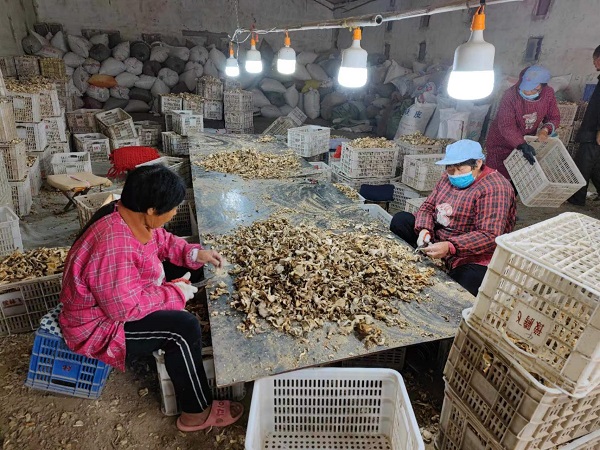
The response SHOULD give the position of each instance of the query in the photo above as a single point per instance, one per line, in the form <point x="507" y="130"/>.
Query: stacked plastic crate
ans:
<point x="118" y="126"/>
<point x="309" y="141"/>
<point x="8" y="133"/>
<point x="211" y="90"/>
<point x="281" y="125"/>
<point x="366" y="161"/>
<point x="238" y="111"/>
<point x="15" y="140"/>
<point x="524" y="369"/>
<point x="184" y="124"/>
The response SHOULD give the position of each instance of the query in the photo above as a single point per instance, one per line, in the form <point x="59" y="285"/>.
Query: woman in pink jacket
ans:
<point x="527" y="109"/>
<point x="117" y="303"/>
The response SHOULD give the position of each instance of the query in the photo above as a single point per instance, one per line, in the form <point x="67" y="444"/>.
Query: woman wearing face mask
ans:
<point x="526" y="109"/>
<point x="470" y="206"/>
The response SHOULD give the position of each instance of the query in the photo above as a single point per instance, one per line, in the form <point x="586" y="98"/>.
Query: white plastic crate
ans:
<point x="35" y="175"/>
<point x="169" y="403"/>
<point x="116" y="124"/>
<point x="420" y="171"/>
<point x="354" y="183"/>
<point x="49" y="104"/>
<point x="213" y="110"/>
<point x="128" y="142"/>
<point x="14" y="156"/>
<point x="551" y="180"/>
<point x="21" y="196"/>
<point x="517" y="410"/>
<point x="297" y="116"/>
<point x="175" y="145"/>
<point x="324" y="171"/>
<point x="170" y="102"/>
<point x="588" y="442"/>
<point x="34" y="135"/>
<point x="7" y="66"/>
<point x="412" y="205"/>
<point x="186" y="124"/>
<point x="237" y="101"/>
<point x="388" y="359"/>
<point x="404" y="148"/>
<point x="309" y="140"/>
<point x="169" y="118"/>
<point x="210" y="88"/>
<point x="8" y="132"/>
<point x="27" y="66"/>
<point x="332" y="408"/>
<point x="181" y="166"/>
<point x="368" y="162"/>
<point x="26" y="106"/>
<point x="46" y="156"/>
<point x="56" y="129"/>
<point x="88" y="204"/>
<point x="193" y="103"/>
<point x="5" y="191"/>
<point x="96" y="144"/>
<point x="239" y="122"/>
<point x="24" y="303"/>
<point x="280" y="126"/>
<point x="184" y="224"/>
<point x="70" y="162"/>
<point x="378" y="213"/>
<point x="83" y="121"/>
<point x="148" y="133"/>
<point x="567" y="112"/>
<point x="540" y="300"/>
<point x="402" y="193"/>
<point x="10" y="233"/>
<point x="564" y="134"/>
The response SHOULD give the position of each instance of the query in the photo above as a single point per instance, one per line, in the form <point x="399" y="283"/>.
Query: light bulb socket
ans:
<point x="478" y="22"/>
<point x="357" y="34"/>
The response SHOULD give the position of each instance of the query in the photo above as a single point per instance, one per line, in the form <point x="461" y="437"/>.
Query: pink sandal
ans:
<point x="220" y="416"/>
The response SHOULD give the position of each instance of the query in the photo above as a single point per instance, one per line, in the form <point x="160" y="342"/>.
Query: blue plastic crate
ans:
<point x="54" y="367"/>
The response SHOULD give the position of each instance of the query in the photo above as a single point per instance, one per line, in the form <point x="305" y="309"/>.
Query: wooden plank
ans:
<point x="226" y="202"/>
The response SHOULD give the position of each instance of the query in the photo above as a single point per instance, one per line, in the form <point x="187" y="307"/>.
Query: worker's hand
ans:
<point x="186" y="288"/>
<point x="424" y="237"/>
<point x="528" y="152"/>
<point x="437" y="250"/>
<point x="598" y="138"/>
<point x="210" y="256"/>
<point x="542" y="135"/>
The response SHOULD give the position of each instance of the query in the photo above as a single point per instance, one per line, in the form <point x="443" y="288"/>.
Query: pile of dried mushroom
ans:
<point x="347" y="191"/>
<point x="297" y="278"/>
<point x="33" y="264"/>
<point x="251" y="163"/>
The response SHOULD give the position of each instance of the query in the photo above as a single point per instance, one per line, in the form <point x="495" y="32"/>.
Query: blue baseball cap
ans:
<point x="461" y="151"/>
<point x="533" y="76"/>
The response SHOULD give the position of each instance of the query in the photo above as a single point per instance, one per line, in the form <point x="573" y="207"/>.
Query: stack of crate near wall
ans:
<point x="366" y="161"/>
<point x="118" y="127"/>
<point x="86" y="138"/>
<point x="173" y="142"/>
<point x="211" y="90"/>
<point x="8" y="145"/>
<point x="238" y="108"/>
<point x="33" y="102"/>
<point x="523" y="372"/>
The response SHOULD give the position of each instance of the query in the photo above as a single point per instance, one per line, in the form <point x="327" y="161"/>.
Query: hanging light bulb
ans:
<point x="286" y="58"/>
<point x="472" y="75"/>
<point x="353" y="71"/>
<point x="253" y="61"/>
<point x="232" y="68"/>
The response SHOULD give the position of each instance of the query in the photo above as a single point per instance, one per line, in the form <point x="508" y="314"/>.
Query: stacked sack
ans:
<point x="524" y="369"/>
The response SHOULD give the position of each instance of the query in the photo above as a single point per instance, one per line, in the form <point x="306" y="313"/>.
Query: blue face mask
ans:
<point x="529" y="97"/>
<point x="462" y="181"/>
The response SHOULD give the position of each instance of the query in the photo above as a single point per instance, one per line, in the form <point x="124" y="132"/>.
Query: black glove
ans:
<point x="528" y="152"/>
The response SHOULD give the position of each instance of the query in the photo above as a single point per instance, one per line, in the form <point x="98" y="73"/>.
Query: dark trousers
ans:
<point x="178" y="334"/>
<point x="588" y="163"/>
<point x="468" y="276"/>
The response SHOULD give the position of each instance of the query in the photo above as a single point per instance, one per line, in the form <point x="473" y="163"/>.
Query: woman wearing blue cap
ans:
<point x="527" y="109"/>
<point x="470" y="206"/>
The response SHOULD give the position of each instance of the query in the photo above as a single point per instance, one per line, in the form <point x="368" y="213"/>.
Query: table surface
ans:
<point x="226" y="202"/>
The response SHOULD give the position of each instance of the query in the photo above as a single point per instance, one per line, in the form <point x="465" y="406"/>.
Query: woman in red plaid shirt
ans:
<point x="117" y="303"/>
<point x="470" y="206"/>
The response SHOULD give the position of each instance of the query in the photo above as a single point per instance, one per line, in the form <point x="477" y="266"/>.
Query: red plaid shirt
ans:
<point x="470" y="219"/>
<point x="111" y="278"/>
